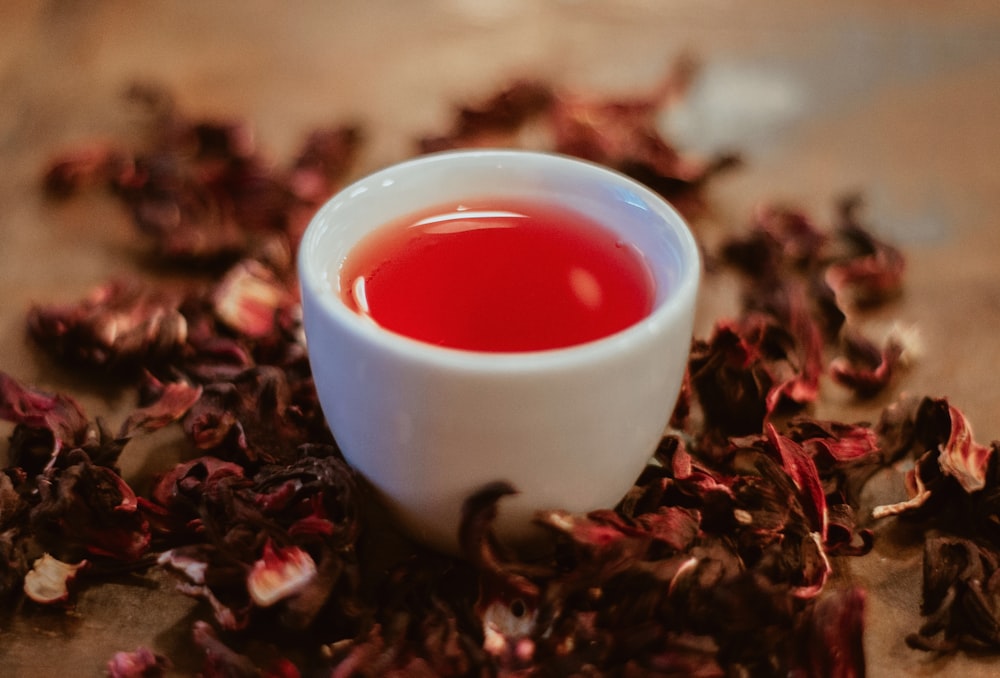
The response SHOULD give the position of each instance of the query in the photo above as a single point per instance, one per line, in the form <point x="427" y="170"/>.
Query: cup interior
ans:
<point x="622" y="205"/>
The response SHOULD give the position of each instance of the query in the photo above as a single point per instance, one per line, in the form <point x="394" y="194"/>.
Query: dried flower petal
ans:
<point x="623" y="134"/>
<point x="716" y="563"/>
<point x="48" y="580"/>
<point x="221" y="661"/>
<point x="92" y="509"/>
<point x="97" y="163"/>
<point x="172" y="402"/>
<point x="279" y="573"/>
<point x="59" y="415"/>
<point x="834" y="636"/>
<point x="802" y="470"/>
<point x="120" y="323"/>
<point x="249" y="298"/>
<point x="139" y="663"/>
<point x="961" y="457"/>
<point x="869" y="271"/>
<point x="865" y="368"/>
<point x="961" y="592"/>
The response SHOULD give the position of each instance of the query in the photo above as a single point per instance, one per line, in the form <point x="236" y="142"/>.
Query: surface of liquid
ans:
<point x="498" y="278"/>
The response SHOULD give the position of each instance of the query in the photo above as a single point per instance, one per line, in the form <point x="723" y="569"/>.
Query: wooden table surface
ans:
<point x="899" y="99"/>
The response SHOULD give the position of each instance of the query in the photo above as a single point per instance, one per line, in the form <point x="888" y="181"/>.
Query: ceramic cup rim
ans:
<point x="315" y="275"/>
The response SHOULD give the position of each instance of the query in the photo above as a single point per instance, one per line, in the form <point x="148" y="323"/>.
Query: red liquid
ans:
<point x="498" y="277"/>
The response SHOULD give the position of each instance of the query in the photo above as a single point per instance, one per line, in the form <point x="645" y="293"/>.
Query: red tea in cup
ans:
<point x="498" y="277"/>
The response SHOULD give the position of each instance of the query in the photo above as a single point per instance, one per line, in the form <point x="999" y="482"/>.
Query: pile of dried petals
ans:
<point x="715" y="564"/>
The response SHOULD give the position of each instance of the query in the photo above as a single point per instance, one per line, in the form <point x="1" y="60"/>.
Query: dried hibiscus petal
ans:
<point x="236" y="569"/>
<point x="833" y="643"/>
<point x="623" y="134"/>
<point x="90" y="508"/>
<point x="122" y="322"/>
<point x="250" y="420"/>
<point x="802" y="470"/>
<point x="139" y="663"/>
<point x="323" y="160"/>
<point x="868" y="270"/>
<point x="279" y="573"/>
<point x="188" y="481"/>
<point x="221" y="661"/>
<point x="961" y="596"/>
<point x="97" y="163"/>
<point x="866" y="368"/>
<point x="59" y="416"/>
<point x="169" y="402"/>
<point x="949" y="464"/>
<point x="48" y="580"/>
<point x="730" y="380"/>
<point x="499" y="582"/>
<point x="834" y="441"/>
<point x="961" y="457"/>
<point x="715" y="563"/>
<point x="249" y="298"/>
<point x="501" y="114"/>
<point x="201" y="190"/>
<point x="751" y="367"/>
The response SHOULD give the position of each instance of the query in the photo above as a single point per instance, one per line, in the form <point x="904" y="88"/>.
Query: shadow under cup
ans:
<point x="568" y="428"/>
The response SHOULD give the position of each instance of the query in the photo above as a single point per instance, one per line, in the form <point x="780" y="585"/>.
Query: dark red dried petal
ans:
<point x="480" y="546"/>
<point x="249" y="299"/>
<point x="834" y="636"/>
<point x="865" y="368"/>
<point x="58" y="413"/>
<point x="221" y="661"/>
<point x="500" y="114"/>
<point x="803" y="472"/>
<point x="325" y="158"/>
<point x="89" y="509"/>
<point x="730" y="381"/>
<point x="139" y="663"/>
<point x="172" y="401"/>
<point x="96" y="164"/>
<point x="961" y="457"/>
<point x="190" y="480"/>
<point x="120" y="323"/>
<point x="868" y="270"/>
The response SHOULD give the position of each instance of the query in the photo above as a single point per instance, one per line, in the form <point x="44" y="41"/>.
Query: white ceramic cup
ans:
<point x="569" y="428"/>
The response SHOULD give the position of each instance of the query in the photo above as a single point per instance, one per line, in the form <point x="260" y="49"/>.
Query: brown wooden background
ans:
<point x="897" y="98"/>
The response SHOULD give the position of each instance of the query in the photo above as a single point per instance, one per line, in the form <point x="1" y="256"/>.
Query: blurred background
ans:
<point x="896" y="99"/>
